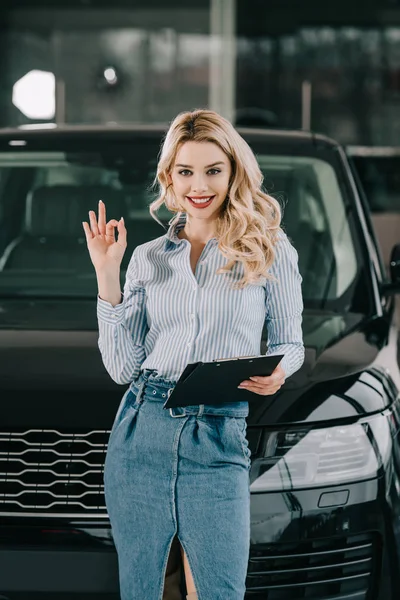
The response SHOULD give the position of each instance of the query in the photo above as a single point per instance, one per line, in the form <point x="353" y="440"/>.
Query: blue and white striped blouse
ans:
<point x="169" y="316"/>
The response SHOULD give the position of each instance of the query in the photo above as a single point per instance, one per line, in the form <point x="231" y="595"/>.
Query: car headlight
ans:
<point x="313" y="457"/>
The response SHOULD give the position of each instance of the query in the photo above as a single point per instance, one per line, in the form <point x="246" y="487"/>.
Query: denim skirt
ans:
<point x="183" y="475"/>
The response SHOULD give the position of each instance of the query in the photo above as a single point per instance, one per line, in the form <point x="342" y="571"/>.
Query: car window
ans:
<point x="380" y="178"/>
<point x="314" y="217"/>
<point x="45" y="196"/>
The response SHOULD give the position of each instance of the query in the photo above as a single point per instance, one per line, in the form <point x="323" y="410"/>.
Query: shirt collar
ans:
<point x="172" y="233"/>
<point x="171" y="237"/>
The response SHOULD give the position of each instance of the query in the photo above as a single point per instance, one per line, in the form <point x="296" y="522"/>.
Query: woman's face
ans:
<point x="200" y="179"/>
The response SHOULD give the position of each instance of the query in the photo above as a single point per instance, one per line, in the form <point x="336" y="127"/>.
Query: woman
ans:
<point x="198" y="293"/>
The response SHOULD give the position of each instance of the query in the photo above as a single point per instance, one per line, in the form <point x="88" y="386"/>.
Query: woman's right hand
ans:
<point x="105" y="251"/>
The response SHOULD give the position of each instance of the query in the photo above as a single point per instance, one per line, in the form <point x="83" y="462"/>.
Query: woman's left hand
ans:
<point x="265" y="386"/>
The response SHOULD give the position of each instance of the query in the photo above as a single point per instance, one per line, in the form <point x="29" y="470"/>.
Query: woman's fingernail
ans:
<point x="101" y="201"/>
<point x="122" y="219"/>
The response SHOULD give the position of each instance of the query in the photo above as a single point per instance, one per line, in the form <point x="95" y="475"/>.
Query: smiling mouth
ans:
<point x="201" y="202"/>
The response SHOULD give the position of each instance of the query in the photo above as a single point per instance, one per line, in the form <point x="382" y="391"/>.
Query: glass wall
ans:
<point x="354" y="74"/>
<point x="109" y="64"/>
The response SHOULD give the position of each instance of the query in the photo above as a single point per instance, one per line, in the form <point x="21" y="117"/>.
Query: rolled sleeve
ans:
<point x="123" y="329"/>
<point x="284" y="307"/>
<point x="107" y="313"/>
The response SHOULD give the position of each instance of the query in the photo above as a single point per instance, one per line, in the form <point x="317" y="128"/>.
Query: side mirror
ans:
<point x="393" y="287"/>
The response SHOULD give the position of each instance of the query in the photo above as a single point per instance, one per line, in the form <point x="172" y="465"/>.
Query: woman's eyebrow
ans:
<point x="220" y="162"/>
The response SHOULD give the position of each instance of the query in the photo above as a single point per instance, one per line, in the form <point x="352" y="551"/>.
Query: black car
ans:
<point x="325" y="475"/>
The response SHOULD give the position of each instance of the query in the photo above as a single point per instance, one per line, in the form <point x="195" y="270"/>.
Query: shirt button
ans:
<point x="192" y="315"/>
<point x="189" y="344"/>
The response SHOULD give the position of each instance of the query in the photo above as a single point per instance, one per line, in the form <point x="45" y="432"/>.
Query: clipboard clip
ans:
<point x="237" y="358"/>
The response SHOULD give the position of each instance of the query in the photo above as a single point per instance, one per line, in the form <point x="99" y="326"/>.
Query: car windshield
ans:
<point x="46" y="194"/>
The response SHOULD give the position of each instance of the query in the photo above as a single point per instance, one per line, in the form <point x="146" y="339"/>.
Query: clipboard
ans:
<point x="217" y="381"/>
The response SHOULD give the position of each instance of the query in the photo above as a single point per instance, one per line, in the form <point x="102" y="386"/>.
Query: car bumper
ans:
<point x="302" y="550"/>
<point x="298" y="550"/>
<point x="47" y="559"/>
<point x="51" y="572"/>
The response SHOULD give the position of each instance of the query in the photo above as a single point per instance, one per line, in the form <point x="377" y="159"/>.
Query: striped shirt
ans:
<point x="169" y="316"/>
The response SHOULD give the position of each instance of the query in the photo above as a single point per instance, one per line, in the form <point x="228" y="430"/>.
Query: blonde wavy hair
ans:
<point x="250" y="219"/>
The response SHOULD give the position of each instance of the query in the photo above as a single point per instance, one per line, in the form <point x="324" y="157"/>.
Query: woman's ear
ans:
<point x="169" y="179"/>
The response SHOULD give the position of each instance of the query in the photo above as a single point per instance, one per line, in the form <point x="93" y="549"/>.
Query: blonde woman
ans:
<point x="201" y="292"/>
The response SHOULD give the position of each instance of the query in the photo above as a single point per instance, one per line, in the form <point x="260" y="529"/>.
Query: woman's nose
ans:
<point x="199" y="184"/>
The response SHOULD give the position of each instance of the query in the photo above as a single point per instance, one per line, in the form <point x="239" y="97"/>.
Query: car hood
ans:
<point x="49" y="355"/>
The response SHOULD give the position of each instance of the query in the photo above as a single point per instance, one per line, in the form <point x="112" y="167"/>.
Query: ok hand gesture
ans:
<point x="105" y="251"/>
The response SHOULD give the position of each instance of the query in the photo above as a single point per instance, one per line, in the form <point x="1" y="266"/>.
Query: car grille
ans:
<point x="324" y="569"/>
<point x="49" y="470"/>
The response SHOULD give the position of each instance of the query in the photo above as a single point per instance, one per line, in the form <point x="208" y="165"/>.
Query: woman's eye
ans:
<point x="186" y="172"/>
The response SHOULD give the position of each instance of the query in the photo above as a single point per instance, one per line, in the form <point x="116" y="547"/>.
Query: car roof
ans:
<point x="123" y="130"/>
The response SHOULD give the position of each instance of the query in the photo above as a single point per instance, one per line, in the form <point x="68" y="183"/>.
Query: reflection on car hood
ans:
<point x="45" y="345"/>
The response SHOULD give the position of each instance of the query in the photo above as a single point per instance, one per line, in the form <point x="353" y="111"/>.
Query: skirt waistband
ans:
<point x="157" y="389"/>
